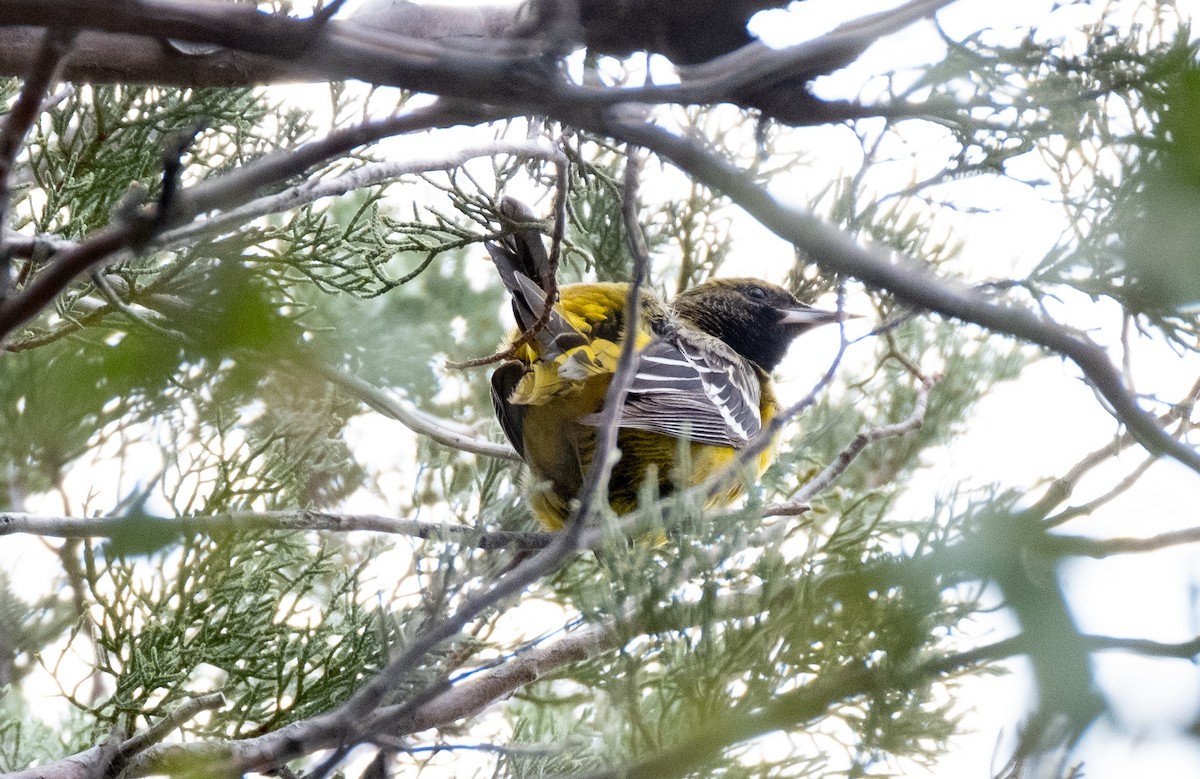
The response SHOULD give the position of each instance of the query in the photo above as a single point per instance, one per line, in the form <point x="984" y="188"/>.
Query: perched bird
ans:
<point x="703" y="374"/>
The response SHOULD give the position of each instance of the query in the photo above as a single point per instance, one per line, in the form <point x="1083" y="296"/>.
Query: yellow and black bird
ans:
<point x="703" y="374"/>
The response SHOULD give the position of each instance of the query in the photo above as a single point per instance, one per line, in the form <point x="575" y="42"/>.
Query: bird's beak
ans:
<point x="813" y="316"/>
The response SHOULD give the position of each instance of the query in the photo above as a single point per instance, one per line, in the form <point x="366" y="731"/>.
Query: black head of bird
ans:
<point x="755" y="318"/>
<point x="702" y="376"/>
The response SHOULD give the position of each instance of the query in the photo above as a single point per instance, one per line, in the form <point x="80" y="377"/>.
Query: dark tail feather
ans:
<point x="523" y="264"/>
<point x="521" y="253"/>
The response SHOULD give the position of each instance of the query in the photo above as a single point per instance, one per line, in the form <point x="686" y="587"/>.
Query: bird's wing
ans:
<point x="695" y="389"/>
<point x="511" y="415"/>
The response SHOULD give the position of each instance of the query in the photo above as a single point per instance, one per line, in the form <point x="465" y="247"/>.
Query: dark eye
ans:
<point x="756" y="293"/>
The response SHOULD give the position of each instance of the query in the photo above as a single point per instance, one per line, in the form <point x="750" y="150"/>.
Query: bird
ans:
<point x="703" y="376"/>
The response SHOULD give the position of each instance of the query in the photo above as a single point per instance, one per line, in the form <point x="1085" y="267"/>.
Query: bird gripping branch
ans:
<point x="703" y="376"/>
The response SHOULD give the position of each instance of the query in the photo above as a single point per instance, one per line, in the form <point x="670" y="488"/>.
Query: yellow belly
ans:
<point x="558" y="463"/>
<point x="558" y="449"/>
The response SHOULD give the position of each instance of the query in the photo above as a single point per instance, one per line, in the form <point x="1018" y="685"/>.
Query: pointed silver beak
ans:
<point x="813" y="316"/>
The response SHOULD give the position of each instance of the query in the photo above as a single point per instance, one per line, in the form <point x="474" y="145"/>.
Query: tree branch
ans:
<point x="109" y="527"/>
<point x="96" y="761"/>
<point x="1079" y="546"/>
<point x="443" y="431"/>
<point x="223" y="192"/>
<point x="836" y="252"/>
<point x="484" y="67"/>
<point x="24" y="112"/>
<point x="799" y="502"/>
<point x="487" y="686"/>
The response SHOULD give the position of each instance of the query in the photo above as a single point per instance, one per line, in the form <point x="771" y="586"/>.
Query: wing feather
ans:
<point x="693" y="386"/>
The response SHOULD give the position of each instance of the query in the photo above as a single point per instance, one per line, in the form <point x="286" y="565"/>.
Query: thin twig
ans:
<point x="1121" y="487"/>
<point x="55" y="45"/>
<point x="300" y="520"/>
<point x="109" y="294"/>
<point x="1062" y="488"/>
<point x="836" y="252"/>
<point x="832" y="471"/>
<point x="549" y="280"/>
<point x="170" y="723"/>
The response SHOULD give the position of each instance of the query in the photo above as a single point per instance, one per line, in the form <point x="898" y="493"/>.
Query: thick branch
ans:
<point x="20" y="118"/>
<point x="836" y="252"/>
<point x="86" y="765"/>
<point x="224" y="192"/>
<point x="480" y="66"/>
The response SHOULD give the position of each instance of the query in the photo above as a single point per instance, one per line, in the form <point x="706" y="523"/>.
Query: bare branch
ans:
<point x="221" y="193"/>
<point x="799" y="502"/>
<point x="482" y="67"/>
<point x="1062" y="488"/>
<point x="445" y="432"/>
<point x="1078" y="546"/>
<point x="168" y="724"/>
<point x="475" y="694"/>
<point x="1121" y="487"/>
<point x="594" y="491"/>
<point x="835" y="252"/>
<point x="55" y="45"/>
<point x="85" y="765"/>
<point x="1187" y="650"/>
<point x="107" y="527"/>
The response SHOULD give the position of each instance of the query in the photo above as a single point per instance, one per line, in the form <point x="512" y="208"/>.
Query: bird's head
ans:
<point x="755" y="318"/>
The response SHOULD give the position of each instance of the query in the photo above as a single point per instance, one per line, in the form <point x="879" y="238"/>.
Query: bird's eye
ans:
<point x="756" y="293"/>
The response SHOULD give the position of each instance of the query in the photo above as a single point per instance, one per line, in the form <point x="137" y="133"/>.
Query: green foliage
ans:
<point x="27" y="628"/>
<point x="25" y="739"/>
<point x="271" y="621"/>
<point x="1158" y="222"/>
<point x="1117" y="121"/>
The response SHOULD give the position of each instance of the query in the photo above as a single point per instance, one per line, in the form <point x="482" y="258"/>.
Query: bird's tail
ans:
<point x="523" y="264"/>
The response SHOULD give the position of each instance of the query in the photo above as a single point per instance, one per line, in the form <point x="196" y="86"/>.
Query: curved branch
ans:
<point x="443" y="431"/>
<point x="224" y="192"/>
<point x="836" y="252"/>
<point x="510" y="69"/>
<point x="12" y="523"/>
